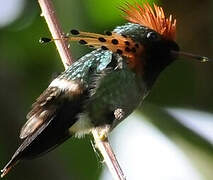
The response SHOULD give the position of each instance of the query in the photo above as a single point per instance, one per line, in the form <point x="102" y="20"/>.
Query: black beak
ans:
<point x="192" y="56"/>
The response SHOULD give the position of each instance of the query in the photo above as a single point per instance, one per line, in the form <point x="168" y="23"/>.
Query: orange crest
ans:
<point x="153" y="18"/>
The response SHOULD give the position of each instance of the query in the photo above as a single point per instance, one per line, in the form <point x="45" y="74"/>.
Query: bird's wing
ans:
<point x="42" y="110"/>
<point x="71" y="83"/>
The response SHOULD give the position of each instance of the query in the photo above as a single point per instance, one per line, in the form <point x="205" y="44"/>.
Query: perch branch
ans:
<point x="104" y="147"/>
<point x="49" y="15"/>
<point x="109" y="157"/>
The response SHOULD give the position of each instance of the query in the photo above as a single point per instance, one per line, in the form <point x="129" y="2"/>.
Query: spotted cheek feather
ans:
<point x="114" y="42"/>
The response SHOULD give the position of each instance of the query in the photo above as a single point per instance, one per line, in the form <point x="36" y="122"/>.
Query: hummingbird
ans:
<point x="103" y="87"/>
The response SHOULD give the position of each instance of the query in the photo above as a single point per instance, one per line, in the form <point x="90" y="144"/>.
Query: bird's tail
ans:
<point x="9" y="166"/>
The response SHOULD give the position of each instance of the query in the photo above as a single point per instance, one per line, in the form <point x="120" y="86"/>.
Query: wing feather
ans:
<point x="42" y="110"/>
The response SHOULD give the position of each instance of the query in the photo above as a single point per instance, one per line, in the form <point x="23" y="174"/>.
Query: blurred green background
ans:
<point x="27" y="67"/>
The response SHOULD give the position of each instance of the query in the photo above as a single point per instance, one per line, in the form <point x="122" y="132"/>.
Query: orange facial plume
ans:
<point x="153" y="18"/>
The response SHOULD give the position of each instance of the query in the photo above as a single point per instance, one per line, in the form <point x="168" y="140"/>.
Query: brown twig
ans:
<point x="109" y="156"/>
<point x="49" y="14"/>
<point x="55" y="29"/>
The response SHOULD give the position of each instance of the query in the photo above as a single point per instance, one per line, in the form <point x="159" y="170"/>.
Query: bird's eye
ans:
<point x="153" y="36"/>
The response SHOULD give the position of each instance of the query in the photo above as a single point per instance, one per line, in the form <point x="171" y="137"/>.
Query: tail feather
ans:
<point x="9" y="166"/>
<point x="18" y="155"/>
<point x="49" y="135"/>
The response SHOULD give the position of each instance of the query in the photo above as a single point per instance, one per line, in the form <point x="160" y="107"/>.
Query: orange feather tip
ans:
<point x="114" y="42"/>
<point x="153" y="18"/>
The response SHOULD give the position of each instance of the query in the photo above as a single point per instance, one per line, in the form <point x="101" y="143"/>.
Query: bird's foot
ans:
<point x="103" y="132"/>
